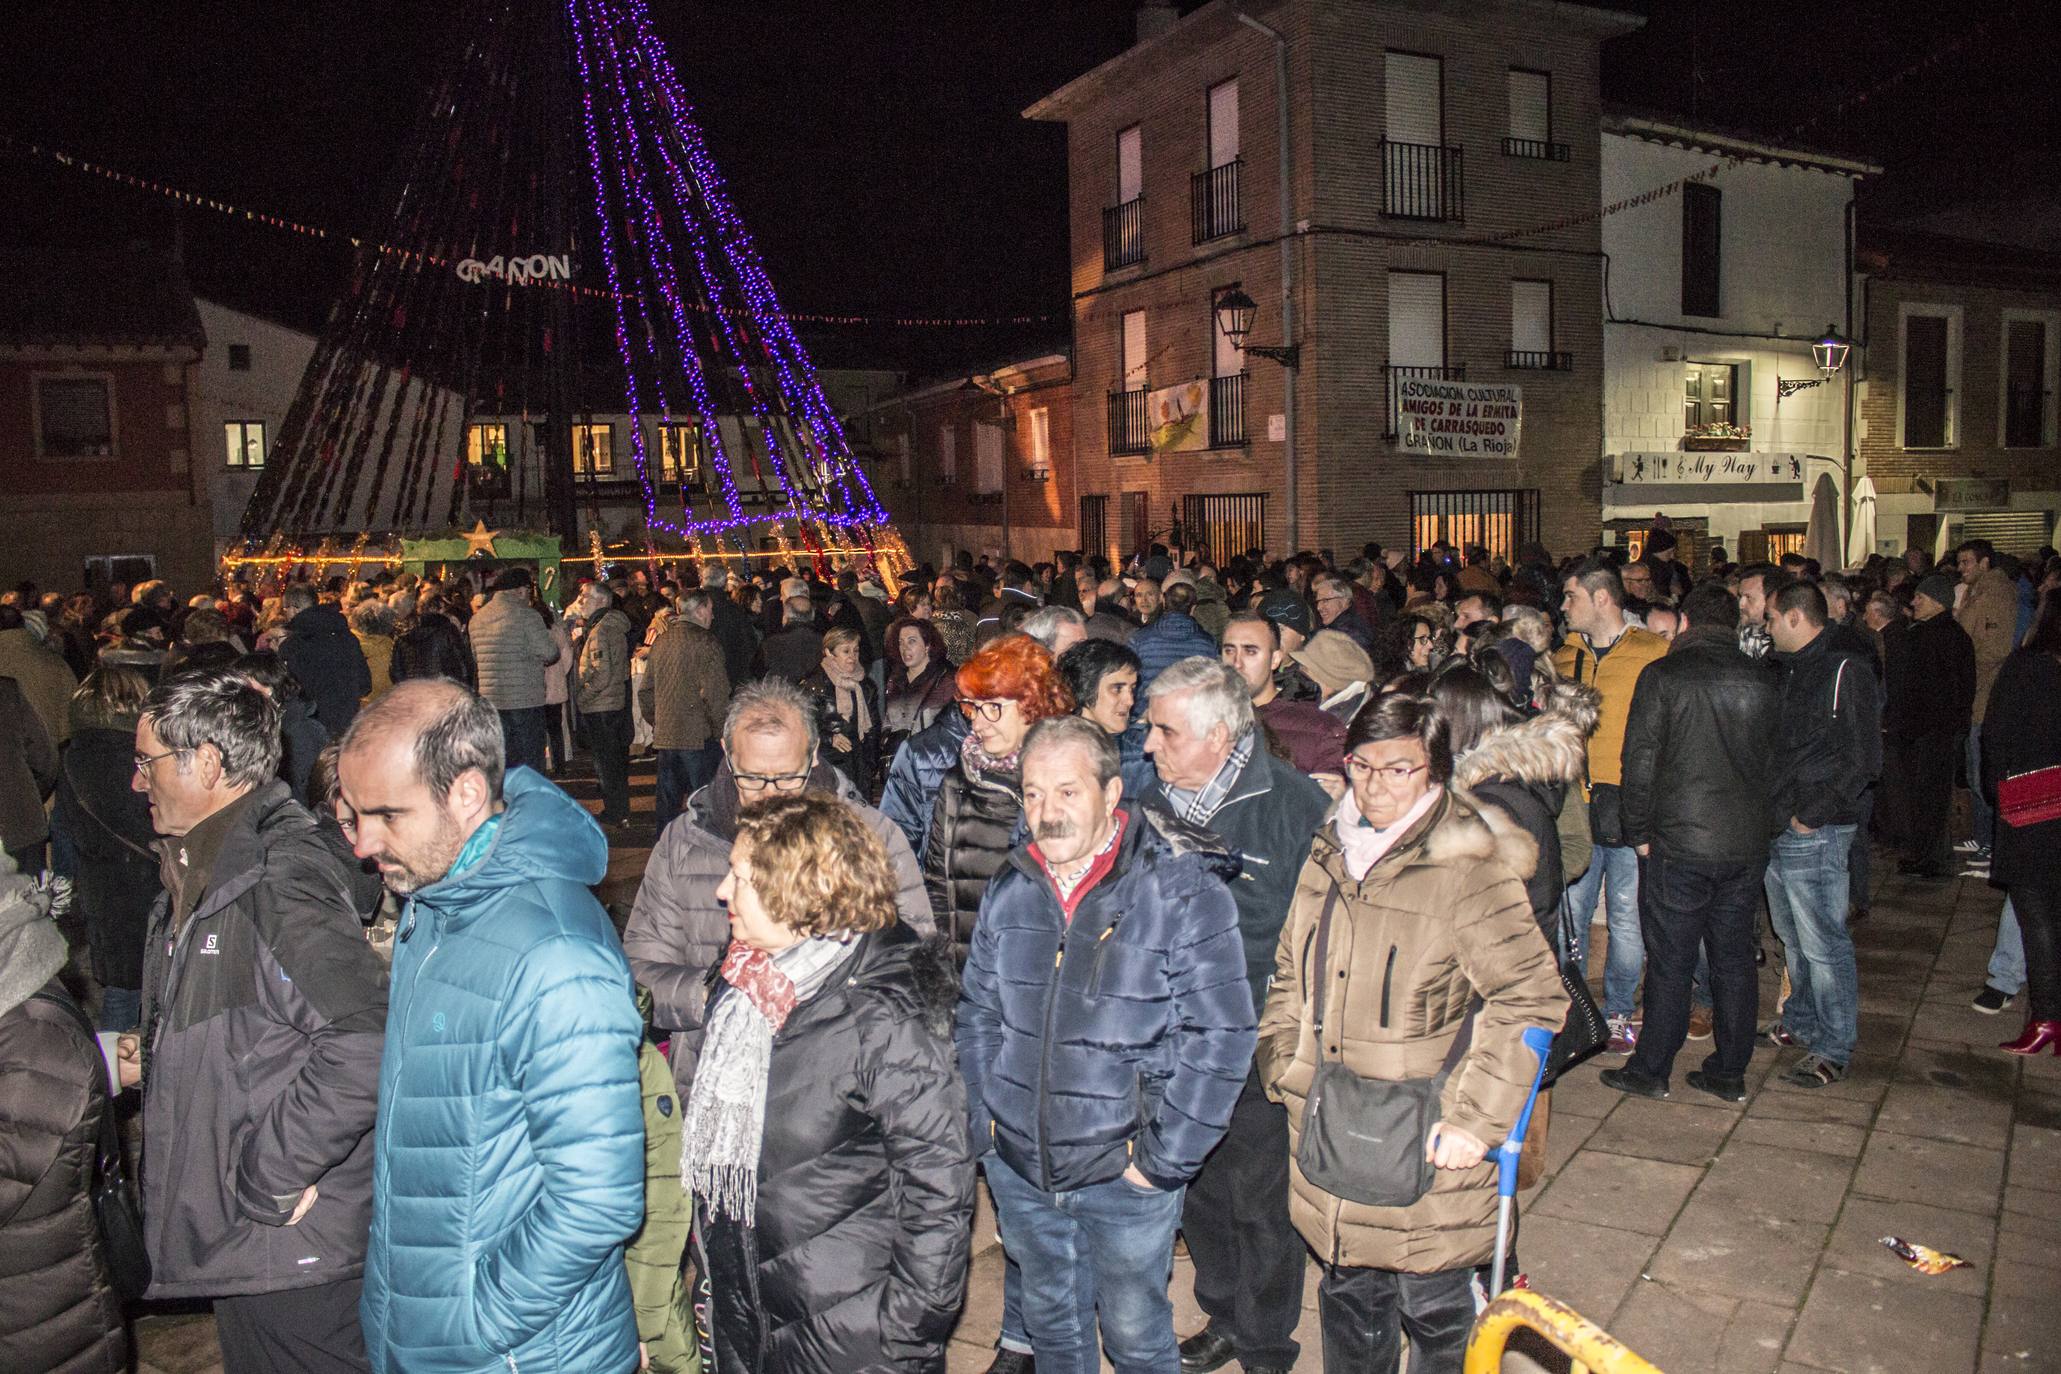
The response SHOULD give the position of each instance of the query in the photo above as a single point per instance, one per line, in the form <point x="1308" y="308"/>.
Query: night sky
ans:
<point x="880" y="161"/>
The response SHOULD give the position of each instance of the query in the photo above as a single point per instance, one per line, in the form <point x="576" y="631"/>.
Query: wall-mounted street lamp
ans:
<point x="1830" y="353"/>
<point x="1235" y="314"/>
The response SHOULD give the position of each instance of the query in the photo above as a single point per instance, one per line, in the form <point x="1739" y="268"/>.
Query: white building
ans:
<point x="1714" y="292"/>
<point x="242" y="385"/>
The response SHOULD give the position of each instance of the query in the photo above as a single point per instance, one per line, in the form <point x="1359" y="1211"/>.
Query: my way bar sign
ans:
<point x="1710" y="469"/>
<point x="1457" y="419"/>
<point x="517" y="270"/>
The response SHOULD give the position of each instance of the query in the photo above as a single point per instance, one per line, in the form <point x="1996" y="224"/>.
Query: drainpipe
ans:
<point x="1846" y="504"/>
<point x="1291" y="483"/>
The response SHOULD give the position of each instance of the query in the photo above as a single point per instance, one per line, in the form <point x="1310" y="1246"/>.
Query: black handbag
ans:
<point x="114" y="1197"/>
<point x="1586" y="1030"/>
<point x="1363" y="1138"/>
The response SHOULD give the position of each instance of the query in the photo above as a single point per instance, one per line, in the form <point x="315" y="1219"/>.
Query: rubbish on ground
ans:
<point x="1923" y="1258"/>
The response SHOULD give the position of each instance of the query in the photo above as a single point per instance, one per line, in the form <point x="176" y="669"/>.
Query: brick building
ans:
<point x="1442" y="182"/>
<point x="982" y="463"/>
<point x="1957" y="393"/>
<point x="97" y="481"/>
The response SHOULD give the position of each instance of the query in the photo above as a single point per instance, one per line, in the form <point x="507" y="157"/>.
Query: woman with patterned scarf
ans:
<point x="1004" y="689"/>
<point x="824" y="1140"/>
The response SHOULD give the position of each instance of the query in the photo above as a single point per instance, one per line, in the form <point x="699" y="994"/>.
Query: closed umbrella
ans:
<point x="1821" y="536"/>
<point x="1860" y="540"/>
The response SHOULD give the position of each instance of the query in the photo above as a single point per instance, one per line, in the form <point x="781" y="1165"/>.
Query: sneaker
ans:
<point x="1624" y="1035"/>
<point x="1815" y="1071"/>
<point x="1991" y="1000"/>
<point x="1976" y="867"/>
<point x="1775" y="1034"/>
<point x="1728" y="1089"/>
<point x="1967" y="846"/>
<point x="1699" y="1023"/>
<point x="1631" y="1082"/>
<point x="1012" y="1362"/>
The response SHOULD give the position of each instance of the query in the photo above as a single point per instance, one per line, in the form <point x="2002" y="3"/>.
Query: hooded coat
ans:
<point x="109" y="825"/>
<point x="1522" y="772"/>
<point x="509" y="1166"/>
<point x="1439" y="921"/>
<point x="435" y="647"/>
<point x="58" y="1312"/>
<point x="857" y="1262"/>
<point x="326" y="659"/>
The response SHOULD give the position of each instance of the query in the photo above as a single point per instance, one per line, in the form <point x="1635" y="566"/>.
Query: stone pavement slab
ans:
<point x="1678" y="1131"/>
<point x="1620" y="1192"/>
<point x="1866" y="1324"/>
<point x="1905" y="1168"/>
<point x="1725" y="1246"/>
<point x="1694" y="1331"/>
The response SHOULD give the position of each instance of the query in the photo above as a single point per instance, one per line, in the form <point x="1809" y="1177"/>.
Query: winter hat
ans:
<point x="1179" y="577"/>
<point x="32" y="949"/>
<point x="1939" y="587"/>
<point x="1659" y="541"/>
<point x="1287" y="610"/>
<point x="1334" y="662"/>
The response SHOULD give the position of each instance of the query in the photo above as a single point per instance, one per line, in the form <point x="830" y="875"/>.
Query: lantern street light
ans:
<point x="1831" y="350"/>
<point x="1235" y="314"/>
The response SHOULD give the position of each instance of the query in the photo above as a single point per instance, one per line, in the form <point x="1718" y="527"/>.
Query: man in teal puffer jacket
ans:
<point x="508" y="1165"/>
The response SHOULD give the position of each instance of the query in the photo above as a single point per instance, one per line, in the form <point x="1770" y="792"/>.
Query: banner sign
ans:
<point x="1457" y="419"/>
<point x="517" y="270"/>
<point x="1179" y="416"/>
<point x="1709" y="469"/>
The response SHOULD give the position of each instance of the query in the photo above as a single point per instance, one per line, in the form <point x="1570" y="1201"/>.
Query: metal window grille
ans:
<point x="1421" y="181"/>
<point x="1214" y="205"/>
<point x="1130" y="422"/>
<point x="1501" y="521"/>
<point x="1223" y="527"/>
<point x="1094" y="531"/>
<point x="1227" y="411"/>
<point x="1123" y="234"/>
<point x="1395" y="374"/>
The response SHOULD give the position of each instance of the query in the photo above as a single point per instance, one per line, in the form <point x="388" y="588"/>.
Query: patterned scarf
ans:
<point x="726" y="1109"/>
<point x="979" y="760"/>
<point x="1198" y="806"/>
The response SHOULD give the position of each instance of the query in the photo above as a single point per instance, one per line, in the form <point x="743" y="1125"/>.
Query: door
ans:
<point x="1135" y="368"/>
<point x="1137" y="521"/>
<point x="1094" y="533"/>
<point x="1130" y="165"/>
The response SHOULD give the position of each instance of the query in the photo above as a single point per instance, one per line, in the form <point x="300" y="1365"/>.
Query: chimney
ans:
<point x="1156" y="17"/>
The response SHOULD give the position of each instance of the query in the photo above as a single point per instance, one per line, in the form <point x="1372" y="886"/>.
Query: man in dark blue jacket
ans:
<point x="1213" y="770"/>
<point x="1105" y="1028"/>
<point x="1829" y="753"/>
<point x="323" y="656"/>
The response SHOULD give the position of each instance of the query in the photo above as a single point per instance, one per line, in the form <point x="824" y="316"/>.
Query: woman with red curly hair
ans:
<point x="1004" y="689"/>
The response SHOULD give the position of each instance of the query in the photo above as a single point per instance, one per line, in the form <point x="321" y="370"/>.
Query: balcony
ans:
<point x="1526" y="360"/>
<point x="1535" y="148"/>
<point x="1123" y="234"/>
<point x="1393" y="374"/>
<point x="1214" y="206"/>
<point x="1227" y="411"/>
<point x="1421" y="181"/>
<point x="1130" y="422"/>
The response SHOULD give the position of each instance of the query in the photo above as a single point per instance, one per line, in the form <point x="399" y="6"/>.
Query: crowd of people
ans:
<point x="1137" y="895"/>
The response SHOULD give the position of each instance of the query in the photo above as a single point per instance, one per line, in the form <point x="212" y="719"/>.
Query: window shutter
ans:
<point x="1531" y="106"/>
<point x="1531" y="317"/>
<point x="1416" y="319"/>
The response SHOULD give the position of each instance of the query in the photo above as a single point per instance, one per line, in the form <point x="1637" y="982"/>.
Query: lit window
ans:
<point x="244" y="441"/>
<point x="679" y="453"/>
<point x="75" y="418"/>
<point x="594" y="449"/>
<point x="487" y="445"/>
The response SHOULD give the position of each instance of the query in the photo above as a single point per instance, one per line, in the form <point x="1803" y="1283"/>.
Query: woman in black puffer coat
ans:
<point x="58" y="1312"/>
<point x="1005" y="688"/>
<point x="109" y="825"/>
<point x="838" y="1244"/>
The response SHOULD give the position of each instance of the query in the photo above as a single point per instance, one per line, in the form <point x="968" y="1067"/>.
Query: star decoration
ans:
<point x="480" y="540"/>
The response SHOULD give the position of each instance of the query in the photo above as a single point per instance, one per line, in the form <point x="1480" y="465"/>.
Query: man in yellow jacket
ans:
<point x="1605" y="651"/>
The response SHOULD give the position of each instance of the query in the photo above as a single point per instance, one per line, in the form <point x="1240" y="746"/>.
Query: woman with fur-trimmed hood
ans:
<point x="1518" y="769"/>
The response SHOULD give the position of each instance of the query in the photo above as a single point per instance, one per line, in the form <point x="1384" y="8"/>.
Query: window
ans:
<point x="1130" y="165"/>
<point x="987" y="456"/>
<point x="1701" y="244"/>
<point x="679" y="452"/>
<point x="1710" y="401"/>
<point x="1123" y="224"/>
<point x="1214" y="203"/>
<point x="947" y="454"/>
<point x="1417" y="320"/>
<point x="1531" y="117"/>
<point x="486" y="445"/>
<point x="74" y="417"/>
<point x="1223" y="123"/>
<point x="1931" y="376"/>
<point x="1133" y="344"/>
<point x="1420" y="175"/>
<point x="1040" y="457"/>
<point x="1414" y="99"/>
<point x="1501" y="521"/>
<point x="2029" y="377"/>
<point x="244" y="441"/>
<point x="239" y="357"/>
<point x="104" y="570"/>
<point x="594" y="449"/>
<point x="1531" y="324"/>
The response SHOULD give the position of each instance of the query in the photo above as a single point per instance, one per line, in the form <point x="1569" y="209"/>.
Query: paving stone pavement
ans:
<point x="1716" y="1238"/>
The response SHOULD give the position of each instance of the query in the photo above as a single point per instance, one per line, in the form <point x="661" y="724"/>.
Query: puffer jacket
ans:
<point x="1829" y="747"/>
<point x="604" y="683"/>
<point x="1989" y="613"/>
<point x="687" y="689"/>
<point x="327" y="661"/>
<point x="977" y="820"/>
<point x="1163" y="643"/>
<point x="511" y="645"/>
<point x="435" y="647"/>
<point x="109" y="825"/>
<point x="28" y="770"/>
<point x="1523" y="772"/>
<point x="678" y="931"/>
<point x="1439" y="921"/>
<point x="44" y="677"/>
<point x="919" y="767"/>
<point x="1614" y="677"/>
<point x="509" y="1167"/>
<point x="860" y="762"/>
<point x="58" y="1312"/>
<point x="858" y="1261"/>
<point x="1699" y="753"/>
<point x="1120" y="1038"/>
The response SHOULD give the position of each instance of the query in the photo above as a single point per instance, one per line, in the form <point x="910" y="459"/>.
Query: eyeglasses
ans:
<point x="1395" y="775"/>
<point x="143" y="761"/>
<point x="989" y="710"/>
<point x="774" y="782"/>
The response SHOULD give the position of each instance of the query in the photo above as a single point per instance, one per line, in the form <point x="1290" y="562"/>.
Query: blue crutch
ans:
<point x="1539" y="1041"/>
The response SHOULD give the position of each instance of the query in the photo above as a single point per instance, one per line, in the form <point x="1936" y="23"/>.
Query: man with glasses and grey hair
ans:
<point x="263" y="1011"/>
<point x="678" y="930"/>
<point x="1214" y="771"/>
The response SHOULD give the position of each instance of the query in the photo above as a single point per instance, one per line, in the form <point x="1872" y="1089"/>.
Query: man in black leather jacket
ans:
<point x="1698" y="763"/>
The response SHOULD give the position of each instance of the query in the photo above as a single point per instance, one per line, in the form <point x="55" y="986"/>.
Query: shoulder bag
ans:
<point x="1363" y="1138"/>
<point x="114" y="1197"/>
<point x="1585" y="1031"/>
<point x="2030" y="798"/>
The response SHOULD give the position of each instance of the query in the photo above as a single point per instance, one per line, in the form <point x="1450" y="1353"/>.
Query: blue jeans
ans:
<point x="1807" y="885"/>
<point x="2007" y="960"/>
<point x="1616" y="869"/>
<point x="522" y="736"/>
<point x="1982" y="820"/>
<point x="1106" y="1249"/>
<point x="121" y="1009"/>
<point x="681" y="773"/>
